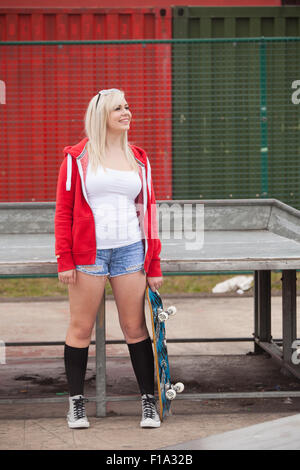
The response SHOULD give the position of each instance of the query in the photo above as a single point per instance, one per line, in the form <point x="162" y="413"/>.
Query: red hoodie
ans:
<point x="75" y="233"/>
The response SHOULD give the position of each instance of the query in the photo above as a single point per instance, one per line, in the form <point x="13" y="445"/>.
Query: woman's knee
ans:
<point x="80" y="331"/>
<point x="135" y="333"/>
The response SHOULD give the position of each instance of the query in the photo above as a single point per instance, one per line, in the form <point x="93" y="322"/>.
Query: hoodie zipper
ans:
<point x="145" y="202"/>
<point x="85" y="196"/>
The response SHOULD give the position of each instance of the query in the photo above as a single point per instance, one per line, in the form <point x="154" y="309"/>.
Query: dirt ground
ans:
<point x="45" y="378"/>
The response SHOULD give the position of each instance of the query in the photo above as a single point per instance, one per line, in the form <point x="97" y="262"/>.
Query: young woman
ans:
<point x="105" y="227"/>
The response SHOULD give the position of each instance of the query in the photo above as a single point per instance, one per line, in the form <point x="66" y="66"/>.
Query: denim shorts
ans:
<point x="116" y="261"/>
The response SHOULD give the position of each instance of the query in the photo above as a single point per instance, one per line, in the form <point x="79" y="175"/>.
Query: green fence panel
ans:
<point x="235" y="127"/>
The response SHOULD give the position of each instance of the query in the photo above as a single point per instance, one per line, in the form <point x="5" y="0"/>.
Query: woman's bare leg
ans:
<point x="84" y="297"/>
<point x="129" y="293"/>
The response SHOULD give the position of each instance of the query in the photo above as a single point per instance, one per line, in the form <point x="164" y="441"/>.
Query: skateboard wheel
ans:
<point x="170" y="394"/>
<point x="171" y="310"/>
<point x="163" y="316"/>
<point x="179" y="387"/>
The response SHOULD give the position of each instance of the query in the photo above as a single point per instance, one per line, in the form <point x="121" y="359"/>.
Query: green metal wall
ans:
<point x="236" y="131"/>
<point x="231" y="22"/>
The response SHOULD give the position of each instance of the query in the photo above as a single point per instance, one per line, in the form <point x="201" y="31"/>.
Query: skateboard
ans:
<point x="166" y="390"/>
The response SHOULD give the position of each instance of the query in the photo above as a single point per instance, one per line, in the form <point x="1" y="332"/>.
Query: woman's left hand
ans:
<point x="155" y="282"/>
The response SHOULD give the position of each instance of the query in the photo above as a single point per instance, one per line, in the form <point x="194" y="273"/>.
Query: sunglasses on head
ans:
<point x="105" y="92"/>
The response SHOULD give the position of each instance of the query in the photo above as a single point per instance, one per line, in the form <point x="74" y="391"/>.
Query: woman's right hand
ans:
<point x="67" y="277"/>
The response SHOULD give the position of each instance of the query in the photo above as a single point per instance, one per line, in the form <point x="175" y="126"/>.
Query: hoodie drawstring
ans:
<point x="149" y="177"/>
<point x="69" y="173"/>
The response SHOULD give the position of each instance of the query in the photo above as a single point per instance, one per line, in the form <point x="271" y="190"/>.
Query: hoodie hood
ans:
<point x="76" y="150"/>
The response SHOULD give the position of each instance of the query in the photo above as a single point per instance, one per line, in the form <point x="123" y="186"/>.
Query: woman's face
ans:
<point x="120" y="116"/>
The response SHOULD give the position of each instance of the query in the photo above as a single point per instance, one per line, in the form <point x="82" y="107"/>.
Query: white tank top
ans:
<point x="111" y="195"/>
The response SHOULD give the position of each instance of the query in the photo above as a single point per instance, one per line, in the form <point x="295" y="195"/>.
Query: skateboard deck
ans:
<point x="166" y="391"/>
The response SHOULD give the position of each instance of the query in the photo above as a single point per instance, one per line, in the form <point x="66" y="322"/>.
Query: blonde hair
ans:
<point x="95" y="127"/>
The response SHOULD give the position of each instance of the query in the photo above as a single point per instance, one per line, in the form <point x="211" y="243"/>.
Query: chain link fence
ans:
<point x="219" y="118"/>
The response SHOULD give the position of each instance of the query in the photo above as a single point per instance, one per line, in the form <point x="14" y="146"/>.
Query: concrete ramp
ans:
<point x="280" y="434"/>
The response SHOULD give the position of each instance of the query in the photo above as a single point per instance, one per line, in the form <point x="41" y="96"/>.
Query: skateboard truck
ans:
<point x="163" y="315"/>
<point x="173" y="390"/>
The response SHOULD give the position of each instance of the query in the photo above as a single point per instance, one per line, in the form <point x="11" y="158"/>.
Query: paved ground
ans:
<point x="203" y="367"/>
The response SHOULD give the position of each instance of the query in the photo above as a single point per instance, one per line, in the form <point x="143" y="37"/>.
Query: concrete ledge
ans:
<point x="280" y="434"/>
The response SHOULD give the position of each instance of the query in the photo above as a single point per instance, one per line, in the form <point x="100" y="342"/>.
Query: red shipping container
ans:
<point x="48" y="88"/>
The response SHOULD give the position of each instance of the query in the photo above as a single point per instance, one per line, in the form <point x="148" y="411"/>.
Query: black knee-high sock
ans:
<point x="141" y="355"/>
<point x="75" y="365"/>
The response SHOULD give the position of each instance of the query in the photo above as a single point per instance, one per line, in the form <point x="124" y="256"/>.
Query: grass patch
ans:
<point x="51" y="287"/>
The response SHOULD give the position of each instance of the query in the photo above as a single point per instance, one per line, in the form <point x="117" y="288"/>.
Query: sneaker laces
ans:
<point x="79" y="407"/>
<point x="149" y="409"/>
